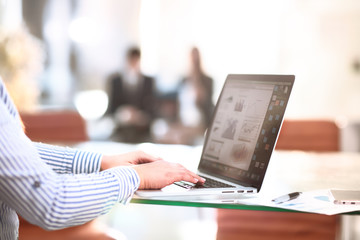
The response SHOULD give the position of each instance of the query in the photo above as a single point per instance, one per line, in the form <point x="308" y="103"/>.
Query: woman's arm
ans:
<point x="50" y="200"/>
<point x="67" y="160"/>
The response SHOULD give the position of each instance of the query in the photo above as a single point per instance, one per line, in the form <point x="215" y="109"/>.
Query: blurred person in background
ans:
<point x="195" y="100"/>
<point x="195" y="94"/>
<point x="194" y="106"/>
<point x="131" y="101"/>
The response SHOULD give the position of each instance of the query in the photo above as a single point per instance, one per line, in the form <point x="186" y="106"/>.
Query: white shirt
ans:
<point x="52" y="187"/>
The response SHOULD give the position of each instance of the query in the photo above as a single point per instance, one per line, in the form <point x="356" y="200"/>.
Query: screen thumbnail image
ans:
<point x="230" y="128"/>
<point x="249" y="130"/>
<point x="214" y="148"/>
<point x="216" y="131"/>
<point x="240" y="105"/>
<point x="256" y="107"/>
<point x="241" y="155"/>
<point x="227" y="103"/>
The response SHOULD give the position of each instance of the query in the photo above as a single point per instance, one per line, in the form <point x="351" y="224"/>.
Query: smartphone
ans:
<point x="348" y="197"/>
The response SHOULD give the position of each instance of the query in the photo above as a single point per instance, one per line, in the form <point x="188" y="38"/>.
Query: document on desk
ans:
<point x="313" y="201"/>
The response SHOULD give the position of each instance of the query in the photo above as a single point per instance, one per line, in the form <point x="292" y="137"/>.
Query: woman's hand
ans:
<point x="158" y="174"/>
<point x="127" y="159"/>
<point x="154" y="172"/>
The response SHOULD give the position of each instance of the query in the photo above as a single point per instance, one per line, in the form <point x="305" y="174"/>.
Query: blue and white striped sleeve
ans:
<point x="68" y="160"/>
<point x="50" y="200"/>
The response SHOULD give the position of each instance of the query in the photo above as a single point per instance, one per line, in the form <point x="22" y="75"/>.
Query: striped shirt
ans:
<point x="50" y="186"/>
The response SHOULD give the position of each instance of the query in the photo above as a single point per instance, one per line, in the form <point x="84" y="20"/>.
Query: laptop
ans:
<point x="241" y="138"/>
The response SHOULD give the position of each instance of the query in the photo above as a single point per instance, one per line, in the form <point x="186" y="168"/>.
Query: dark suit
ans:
<point x="142" y="97"/>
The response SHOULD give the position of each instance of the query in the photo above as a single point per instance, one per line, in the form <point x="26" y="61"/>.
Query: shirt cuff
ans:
<point x="129" y="182"/>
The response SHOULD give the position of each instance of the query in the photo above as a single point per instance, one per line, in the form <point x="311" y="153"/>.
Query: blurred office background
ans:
<point x="85" y="41"/>
<point x="74" y="45"/>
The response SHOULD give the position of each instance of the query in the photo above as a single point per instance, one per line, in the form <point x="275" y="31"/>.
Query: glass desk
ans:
<point x="288" y="171"/>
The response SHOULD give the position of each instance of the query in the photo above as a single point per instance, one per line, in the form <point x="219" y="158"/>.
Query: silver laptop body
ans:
<point x="241" y="138"/>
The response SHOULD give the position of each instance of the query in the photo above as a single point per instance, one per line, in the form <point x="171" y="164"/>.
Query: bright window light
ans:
<point x="85" y="31"/>
<point x="91" y="104"/>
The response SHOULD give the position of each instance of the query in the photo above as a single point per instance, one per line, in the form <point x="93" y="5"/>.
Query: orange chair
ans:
<point x="66" y="127"/>
<point x="306" y="135"/>
<point x="309" y="135"/>
<point x="55" y="126"/>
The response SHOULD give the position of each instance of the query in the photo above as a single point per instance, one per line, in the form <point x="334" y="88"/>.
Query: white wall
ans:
<point x="113" y="25"/>
<point x="321" y="42"/>
<point x="317" y="40"/>
<point x="10" y="13"/>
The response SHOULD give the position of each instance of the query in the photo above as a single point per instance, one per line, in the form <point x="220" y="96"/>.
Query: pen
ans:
<point x="287" y="197"/>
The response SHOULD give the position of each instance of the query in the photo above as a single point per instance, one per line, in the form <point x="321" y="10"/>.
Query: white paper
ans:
<point x="313" y="201"/>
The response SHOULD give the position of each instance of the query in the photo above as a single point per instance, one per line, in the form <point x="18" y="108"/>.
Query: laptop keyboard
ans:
<point x="212" y="183"/>
<point x="209" y="183"/>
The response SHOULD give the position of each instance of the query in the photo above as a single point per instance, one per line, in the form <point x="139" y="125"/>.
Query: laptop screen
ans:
<point x="245" y="126"/>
